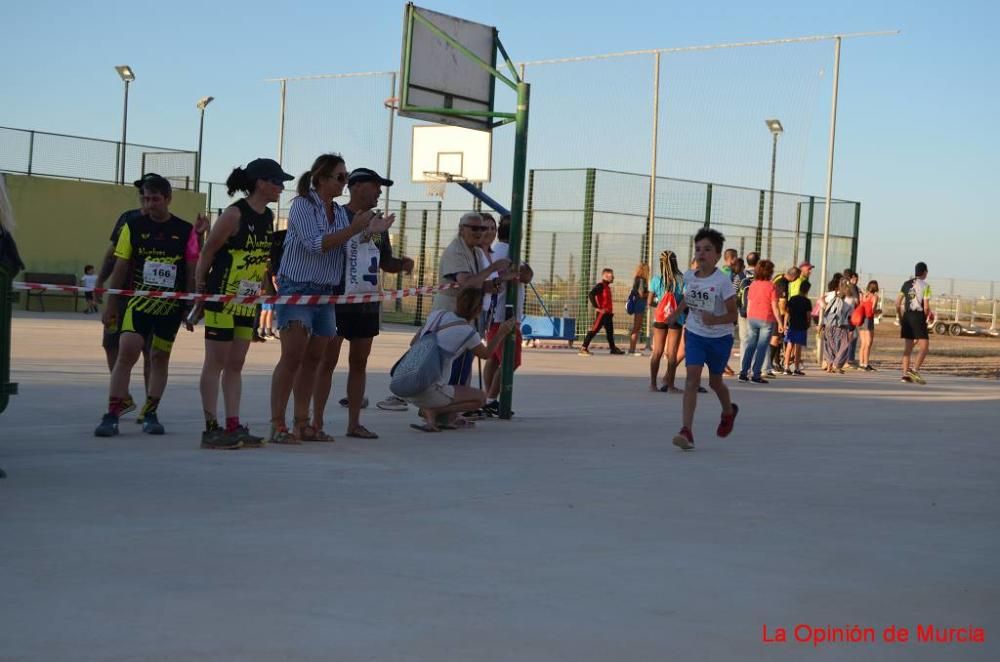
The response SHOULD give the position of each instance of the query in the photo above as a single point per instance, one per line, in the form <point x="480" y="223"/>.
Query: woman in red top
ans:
<point x="869" y="308"/>
<point x="762" y="319"/>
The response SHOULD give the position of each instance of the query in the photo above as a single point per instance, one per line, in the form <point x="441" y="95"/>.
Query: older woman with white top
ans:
<point x="312" y="263"/>
<point x="461" y="263"/>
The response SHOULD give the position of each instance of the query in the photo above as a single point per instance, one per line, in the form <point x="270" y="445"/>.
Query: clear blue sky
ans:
<point x="917" y="134"/>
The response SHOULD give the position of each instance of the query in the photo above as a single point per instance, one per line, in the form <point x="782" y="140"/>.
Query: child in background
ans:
<point x="710" y="302"/>
<point x="89" y="279"/>
<point x="798" y="312"/>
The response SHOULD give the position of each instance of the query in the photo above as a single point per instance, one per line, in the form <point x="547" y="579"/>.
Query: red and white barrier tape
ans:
<point x="301" y="299"/>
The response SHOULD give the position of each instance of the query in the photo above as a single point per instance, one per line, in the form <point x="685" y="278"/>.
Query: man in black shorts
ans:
<point x="913" y="310"/>
<point x="358" y="323"/>
<point x="156" y="251"/>
<point x="109" y="341"/>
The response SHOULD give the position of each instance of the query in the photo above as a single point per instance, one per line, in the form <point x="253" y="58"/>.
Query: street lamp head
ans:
<point x="775" y="126"/>
<point x="125" y="72"/>
<point x="204" y="101"/>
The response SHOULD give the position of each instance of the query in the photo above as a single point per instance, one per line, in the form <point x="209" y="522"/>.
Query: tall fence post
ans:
<point x="759" y="239"/>
<point x="437" y="239"/>
<point x="854" y="240"/>
<point x="708" y="205"/>
<point x="118" y="160"/>
<point x="31" y="150"/>
<point x="529" y="216"/>
<point x="809" y="227"/>
<point x="798" y="226"/>
<point x="552" y="265"/>
<point x="597" y="257"/>
<point x="400" y="248"/>
<point x="588" y="240"/>
<point x="418" y="318"/>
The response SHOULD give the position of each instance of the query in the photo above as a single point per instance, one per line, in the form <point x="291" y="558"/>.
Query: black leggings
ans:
<point x="607" y="321"/>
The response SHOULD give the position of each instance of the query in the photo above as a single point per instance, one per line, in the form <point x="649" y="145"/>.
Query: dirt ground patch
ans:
<point x="965" y="356"/>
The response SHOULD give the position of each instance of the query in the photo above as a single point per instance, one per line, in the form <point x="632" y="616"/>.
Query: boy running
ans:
<point x="710" y="301"/>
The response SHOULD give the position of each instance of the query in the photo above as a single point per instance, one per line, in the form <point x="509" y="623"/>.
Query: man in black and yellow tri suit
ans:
<point x="156" y="251"/>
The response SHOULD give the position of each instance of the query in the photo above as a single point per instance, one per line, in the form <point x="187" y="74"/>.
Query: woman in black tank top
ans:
<point x="234" y="261"/>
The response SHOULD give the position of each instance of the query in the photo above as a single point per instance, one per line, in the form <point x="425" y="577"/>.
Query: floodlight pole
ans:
<point x="829" y="194"/>
<point x="388" y="156"/>
<point x="651" y="232"/>
<point x="516" y="216"/>
<point x="770" y="207"/>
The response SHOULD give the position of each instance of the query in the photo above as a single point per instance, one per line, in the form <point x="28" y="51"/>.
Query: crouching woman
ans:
<point x="441" y="403"/>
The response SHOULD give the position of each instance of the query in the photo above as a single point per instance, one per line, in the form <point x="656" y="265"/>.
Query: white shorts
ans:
<point x="437" y="396"/>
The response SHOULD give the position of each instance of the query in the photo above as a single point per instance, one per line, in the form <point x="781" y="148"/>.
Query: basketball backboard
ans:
<point x="454" y="151"/>
<point x="436" y="74"/>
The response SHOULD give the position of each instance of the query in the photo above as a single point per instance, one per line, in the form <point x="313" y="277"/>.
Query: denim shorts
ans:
<point x="713" y="352"/>
<point x="318" y="319"/>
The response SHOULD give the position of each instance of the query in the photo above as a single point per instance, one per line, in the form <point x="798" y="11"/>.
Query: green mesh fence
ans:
<point x="580" y="221"/>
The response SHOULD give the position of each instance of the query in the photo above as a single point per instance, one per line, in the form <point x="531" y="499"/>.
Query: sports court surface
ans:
<point x="574" y="532"/>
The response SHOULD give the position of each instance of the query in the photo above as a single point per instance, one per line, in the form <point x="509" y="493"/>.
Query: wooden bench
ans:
<point x="49" y="279"/>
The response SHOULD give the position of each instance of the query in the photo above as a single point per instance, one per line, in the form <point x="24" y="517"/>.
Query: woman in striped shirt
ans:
<point x="312" y="263"/>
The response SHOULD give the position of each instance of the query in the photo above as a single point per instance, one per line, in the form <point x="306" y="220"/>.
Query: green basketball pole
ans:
<point x="516" y="217"/>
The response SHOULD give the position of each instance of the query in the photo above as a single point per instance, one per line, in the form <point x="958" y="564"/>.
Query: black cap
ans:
<point x="149" y="176"/>
<point x="266" y="169"/>
<point x="359" y="175"/>
<point x="158" y="183"/>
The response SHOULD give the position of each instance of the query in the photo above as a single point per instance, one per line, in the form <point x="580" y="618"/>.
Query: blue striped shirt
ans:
<point x="303" y="259"/>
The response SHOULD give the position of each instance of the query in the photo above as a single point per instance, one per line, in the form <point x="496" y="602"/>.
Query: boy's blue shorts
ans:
<point x="713" y="352"/>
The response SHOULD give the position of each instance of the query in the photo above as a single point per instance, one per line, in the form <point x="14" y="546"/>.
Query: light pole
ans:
<point x="202" y="103"/>
<point x="776" y="130"/>
<point x="127" y="76"/>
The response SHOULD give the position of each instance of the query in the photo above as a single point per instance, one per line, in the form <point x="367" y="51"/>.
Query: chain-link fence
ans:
<point x="90" y="159"/>
<point x="579" y="222"/>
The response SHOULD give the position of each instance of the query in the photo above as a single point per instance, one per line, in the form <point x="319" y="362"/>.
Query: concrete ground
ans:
<point x="574" y="532"/>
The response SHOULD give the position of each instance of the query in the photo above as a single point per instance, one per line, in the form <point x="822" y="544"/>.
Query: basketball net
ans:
<point x="435" y="189"/>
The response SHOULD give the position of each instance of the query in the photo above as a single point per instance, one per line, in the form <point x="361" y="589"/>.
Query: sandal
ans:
<point x="424" y="427"/>
<point x="320" y="435"/>
<point x="281" y="435"/>
<point x="303" y="431"/>
<point x="361" y="432"/>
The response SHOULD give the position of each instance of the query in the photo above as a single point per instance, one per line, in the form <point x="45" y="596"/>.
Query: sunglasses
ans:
<point x="476" y="228"/>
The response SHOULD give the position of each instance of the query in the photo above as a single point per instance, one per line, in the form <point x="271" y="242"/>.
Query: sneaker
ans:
<point x="639" y="354"/>
<point x="743" y="377"/>
<point x="616" y="352"/>
<point x="128" y="406"/>
<point x="217" y="439"/>
<point x="788" y="373"/>
<point x="242" y="435"/>
<point x="726" y="422"/>
<point x="584" y="352"/>
<point x="684" y="440"/>
<point x="771" y="373"/>
<point x="108" y="426"/>
<point x="799" y="373"/>
<point x="492" y="408"/>
<point x="868" y="368"/>
<point x="151" y="424"/>
<point x="915" y="376"/>
<point x="364" y="402"/>
<point x="759" y="380"/>
<point x="392" y="403"/>
<point x="906" y="378"/>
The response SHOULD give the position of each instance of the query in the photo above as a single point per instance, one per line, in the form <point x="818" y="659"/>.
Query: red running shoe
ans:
<point x="726" y="422"/>
<point x="684" y="440"/>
